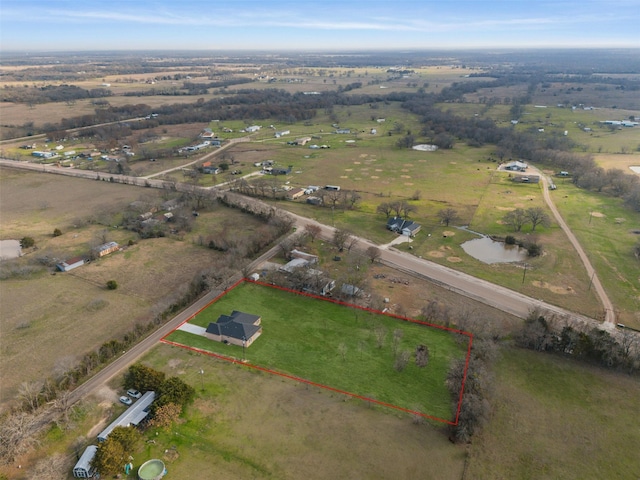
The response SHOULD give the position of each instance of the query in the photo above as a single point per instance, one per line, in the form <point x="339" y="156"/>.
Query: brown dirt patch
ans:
<point x="454" y="259"/>
<point x="448" y="233"/>
<point x="597" y="214"/>
<point x="436" y="254"/>
<point x="410" y="294"/>
<point x="174" y="363"/>
<point x="553" y="288"/>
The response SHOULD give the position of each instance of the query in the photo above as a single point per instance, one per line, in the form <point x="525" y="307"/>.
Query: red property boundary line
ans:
<point x="320" y="385"/>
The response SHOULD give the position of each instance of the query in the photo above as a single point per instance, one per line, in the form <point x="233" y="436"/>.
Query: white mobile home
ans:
<point x="133" y="415"/>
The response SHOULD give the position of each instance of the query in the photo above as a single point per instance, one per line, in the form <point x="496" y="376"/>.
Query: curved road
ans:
<point x="610" y="316"/>
<point x="483" y="291"/>
<point x="488" y="293"/>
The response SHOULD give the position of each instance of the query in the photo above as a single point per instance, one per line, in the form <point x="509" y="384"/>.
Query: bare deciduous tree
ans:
<point x="401" y="361"/>
<point x="340" y="238"/>
<point x="537" y="216"/>
<point x="381" y="334"/>
<point x="397" y="338"/>
<point x="373" y="253"/>
<point x="447" y="215"/>
<point x="312" y="230"/>
<point x="351" y="242"/>
<point x="516" y="219"/>
<point x="422" y="355"/>
<point x="385" y="208"/>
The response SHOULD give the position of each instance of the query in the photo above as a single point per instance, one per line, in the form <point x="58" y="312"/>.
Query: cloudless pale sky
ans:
<point x="73" y="25"/>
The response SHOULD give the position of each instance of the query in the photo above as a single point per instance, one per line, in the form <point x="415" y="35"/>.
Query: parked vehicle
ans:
<point x="134" y="393"/>
<point x="126" y="400"/>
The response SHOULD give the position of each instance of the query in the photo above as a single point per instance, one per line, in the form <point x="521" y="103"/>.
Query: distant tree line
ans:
<point x="189" y="88"/>
<point x="51" y="93"/>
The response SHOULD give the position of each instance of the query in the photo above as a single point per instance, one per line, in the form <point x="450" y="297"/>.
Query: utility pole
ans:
<point x="244" y="344"/>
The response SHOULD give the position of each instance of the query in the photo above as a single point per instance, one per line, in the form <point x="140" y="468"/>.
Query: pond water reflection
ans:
<point x="489" y="251"/>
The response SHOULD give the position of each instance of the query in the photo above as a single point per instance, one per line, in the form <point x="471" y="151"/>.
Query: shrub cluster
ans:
<point x="591" y="345"/>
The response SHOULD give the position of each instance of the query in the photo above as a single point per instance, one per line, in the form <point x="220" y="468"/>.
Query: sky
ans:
<point x="323" y="25"/>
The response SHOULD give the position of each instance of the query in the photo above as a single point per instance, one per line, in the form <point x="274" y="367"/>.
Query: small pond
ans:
<point x="10" y="249"/>
<point x="489" y="251"/>
<point x="425" y="147"/>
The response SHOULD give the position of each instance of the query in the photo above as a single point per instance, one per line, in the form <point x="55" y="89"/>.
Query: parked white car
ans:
<point x="134" y="393"/>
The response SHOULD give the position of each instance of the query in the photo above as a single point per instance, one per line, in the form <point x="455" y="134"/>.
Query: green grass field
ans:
<point x="246" y="424"/>
<point x="556" y="418"/>
<point x="305" y="337"/>
<point x="605" y="229"/>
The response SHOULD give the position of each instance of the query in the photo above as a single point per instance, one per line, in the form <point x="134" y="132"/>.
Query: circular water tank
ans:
<point x="151" y="470"/>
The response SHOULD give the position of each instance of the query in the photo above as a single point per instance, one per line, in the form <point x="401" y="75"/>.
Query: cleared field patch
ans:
<point x="244" y="424"/>
<point x="622" y="162"/>
<point x="555" y="418"/>
<point x="34" y="204"/>
<point x="605" y="228"/>
<point x="346" y="349"/>
<point x="50" y="321"/>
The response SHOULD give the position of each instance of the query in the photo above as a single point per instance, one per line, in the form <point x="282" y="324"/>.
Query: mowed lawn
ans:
<point x="556" y="418"/>
<point x="337" y="346"/>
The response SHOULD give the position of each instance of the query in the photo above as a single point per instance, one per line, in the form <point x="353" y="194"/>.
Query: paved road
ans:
<point x="494" y="295"/>
<point x="483" y="291"/>
<point x="477" y="289"/>
<point x="134" y="353"/>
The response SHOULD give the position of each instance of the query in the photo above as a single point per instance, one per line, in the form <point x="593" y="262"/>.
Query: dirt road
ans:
<point x="610" y="316"/>
<point x="483" y="291"/>
<point x="203" y="158"/>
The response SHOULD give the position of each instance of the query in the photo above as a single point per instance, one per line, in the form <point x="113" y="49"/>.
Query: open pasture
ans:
<point x="606" y="229"/>
<point x="599" y="139"/>
<point x="621" y="162"/>
<point x="244" y="424"/>
<point x="39" y="312"/>
<point x="555" y="418"/>
<point x="344" y="348"/>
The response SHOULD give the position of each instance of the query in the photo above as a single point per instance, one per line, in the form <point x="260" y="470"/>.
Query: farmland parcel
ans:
<point x="346" y="349"/>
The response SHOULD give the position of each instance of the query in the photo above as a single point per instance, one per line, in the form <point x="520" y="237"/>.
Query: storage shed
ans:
<point x="83" y="468"/>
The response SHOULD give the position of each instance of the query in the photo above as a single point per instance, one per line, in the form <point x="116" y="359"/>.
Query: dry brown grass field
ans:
<point x="53" y="320"/>
<point x="620" y="161"/>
